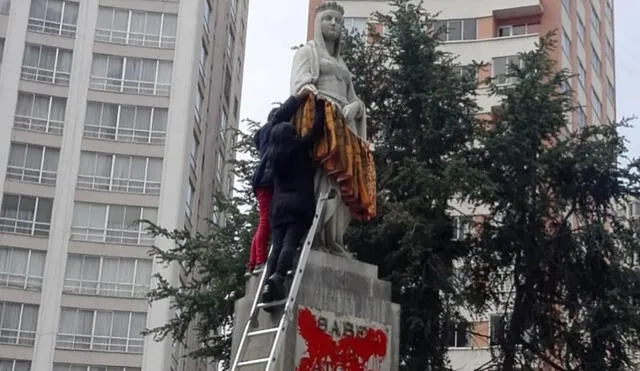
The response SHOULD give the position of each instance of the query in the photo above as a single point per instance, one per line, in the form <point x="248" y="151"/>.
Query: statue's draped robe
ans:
<point x="346" y="158"/>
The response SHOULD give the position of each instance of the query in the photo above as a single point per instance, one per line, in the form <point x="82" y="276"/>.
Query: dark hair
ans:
<point x="272" y="114"/>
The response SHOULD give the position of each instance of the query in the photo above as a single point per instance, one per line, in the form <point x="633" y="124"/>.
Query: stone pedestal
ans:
<point x="343" y="315"/>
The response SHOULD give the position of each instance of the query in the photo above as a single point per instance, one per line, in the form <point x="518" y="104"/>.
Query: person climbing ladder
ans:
<point x="293" y="202"/>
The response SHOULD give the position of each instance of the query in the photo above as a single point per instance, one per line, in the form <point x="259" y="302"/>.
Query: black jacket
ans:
<point x="262" y="178"/>
<point x="290" y="160"/>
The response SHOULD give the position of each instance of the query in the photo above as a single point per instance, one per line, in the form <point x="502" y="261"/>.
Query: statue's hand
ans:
<point x="352" y="111"/>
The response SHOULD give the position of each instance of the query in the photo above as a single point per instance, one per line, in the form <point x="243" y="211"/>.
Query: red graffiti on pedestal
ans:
<point x="348" y="353"/>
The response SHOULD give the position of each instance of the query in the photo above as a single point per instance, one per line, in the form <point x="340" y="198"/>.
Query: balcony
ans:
<point x="517" y="8"/>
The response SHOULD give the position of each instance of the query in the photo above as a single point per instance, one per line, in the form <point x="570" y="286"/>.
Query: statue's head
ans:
<point x="329" y="16"/>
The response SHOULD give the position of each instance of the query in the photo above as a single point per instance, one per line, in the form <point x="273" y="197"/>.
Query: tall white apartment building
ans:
<point x="495" y="31"/>
<point x="111" y="111"/>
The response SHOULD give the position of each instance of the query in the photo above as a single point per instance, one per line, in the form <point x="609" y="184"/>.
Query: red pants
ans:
<point x="260" y="242"/>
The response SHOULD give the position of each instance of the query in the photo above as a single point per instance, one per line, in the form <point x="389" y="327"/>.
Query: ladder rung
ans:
<point x="263" y="332"/>
<point x="272" y="304"/>
<point x="253" y="362"/>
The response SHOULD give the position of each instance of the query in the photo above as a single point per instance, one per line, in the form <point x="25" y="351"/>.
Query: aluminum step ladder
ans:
<point x="286" y="315"/>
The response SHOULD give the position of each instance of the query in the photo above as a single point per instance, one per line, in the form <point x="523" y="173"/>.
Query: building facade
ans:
<point x="495" y="31"/>
<point x="112" y="111"/>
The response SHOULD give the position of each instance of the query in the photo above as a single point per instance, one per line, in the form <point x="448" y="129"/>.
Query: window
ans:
<point x="465" y="72"/>
<point x="595" y="20"/>
<point x="233" y="5"/>
<point x="110" y="331"/>
<point x="596" y="103"/>
<point x="236" y="107"/>
<point x="5" y="6"/>
<point x="223" y="124"/>
<point x="203" y="57"/>
<point x="595" y="61"/>
<point x="46" y="64"/>
<point x="131" y="75"/>
<point x="582" y="118"/>
<point x="207" y="12"/>
<point x="609" y="52"/>
<point x="518" y="29"/>
<point x="497" y="327"/>
<point x="74" y="367"/>
<point x="355" y="25"/>
<point x="582" y="73"/>
<point x="231" y="40"/>
<point x="18" y="323"/>
<point x="199" y="103"/>
<point x="136" y="27"/>
<point x="111" y="223"/>
<point x="107" y="276"/>
<point x="502" y="66"/>
<point x="57" y="17"/>
<point x="456" y="29"/>
<point x="14" y="365"/>
<point x="124" y="123"/>
<point x="31" y="163"/>
<point x="220" y="167"/>
<point x="611" y="92"/>
<point x="41" y="113"/>
<point x="189" y="200"/>
<point x="462" y="226"/>
<point x="566" y="43"/>
<point x="458" y="335"/>
<point x="193" y="156"/>
<point x="119" y="173"/>
<point x="227" y="86"/>
<point x="21" y="268"/>
<point x="28" y="215"/>
<point x="581" y="29"/>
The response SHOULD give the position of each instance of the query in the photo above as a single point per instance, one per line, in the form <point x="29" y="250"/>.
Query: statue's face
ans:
<point x="331" y="23"/>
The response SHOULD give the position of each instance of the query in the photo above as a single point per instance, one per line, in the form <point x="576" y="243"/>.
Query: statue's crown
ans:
<point x="330" y="5"/>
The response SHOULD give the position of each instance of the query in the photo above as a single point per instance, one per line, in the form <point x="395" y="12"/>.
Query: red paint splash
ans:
<point x="349" y="353"/>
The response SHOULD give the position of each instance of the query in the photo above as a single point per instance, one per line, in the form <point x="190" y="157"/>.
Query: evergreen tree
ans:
<point x="211" y="266"/>
<point x="422" y="111"/>
<point x="551" y="254"/>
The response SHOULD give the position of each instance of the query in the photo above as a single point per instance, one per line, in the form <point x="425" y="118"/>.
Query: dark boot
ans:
<point x="273" y="291"/>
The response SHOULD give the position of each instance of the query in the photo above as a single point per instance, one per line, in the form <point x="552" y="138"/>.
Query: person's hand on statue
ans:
<point x="306" y="90"/>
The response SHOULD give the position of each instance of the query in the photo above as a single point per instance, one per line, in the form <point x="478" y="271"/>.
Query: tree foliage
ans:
<point x="547" y="251"/>
<point x="551" y="252"/>
<point x="424" y="112"/>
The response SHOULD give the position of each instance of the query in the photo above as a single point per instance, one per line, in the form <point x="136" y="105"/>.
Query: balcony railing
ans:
<point x="124" y="134"/>
<point x="54" y="28"/>
<point x="130" y="86"/>
<point x="28" y="227"/>
<point x="105" y="288"/>
<point x="111" y="235"/>
<point x="31" y="175"/>
<point x="111" y="184"/>
<point x="38" y="125"/>
<point x="20" y="280"/>
<point x="100" y="343"/>
<point x="135" y="38"/>
<point x="45" y="75"/>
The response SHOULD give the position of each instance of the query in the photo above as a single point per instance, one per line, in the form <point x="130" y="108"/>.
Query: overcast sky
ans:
<point x="275" y="26"/>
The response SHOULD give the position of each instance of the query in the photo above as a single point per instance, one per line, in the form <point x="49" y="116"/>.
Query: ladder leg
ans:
<point x="287" y="314"/>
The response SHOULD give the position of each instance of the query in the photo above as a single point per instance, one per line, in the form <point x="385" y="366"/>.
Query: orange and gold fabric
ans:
<point x="345" y="157"/>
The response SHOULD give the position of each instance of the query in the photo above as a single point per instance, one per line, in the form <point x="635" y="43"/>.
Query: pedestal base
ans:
<point x="343" y="316"/>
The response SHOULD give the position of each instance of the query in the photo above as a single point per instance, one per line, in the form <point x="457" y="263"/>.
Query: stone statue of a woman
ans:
<point x="319" y="68"/>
